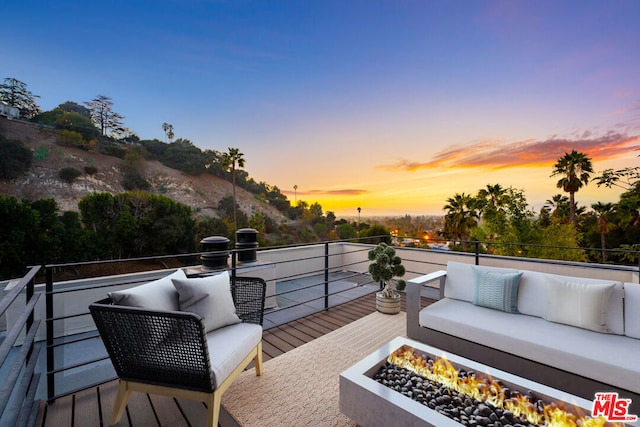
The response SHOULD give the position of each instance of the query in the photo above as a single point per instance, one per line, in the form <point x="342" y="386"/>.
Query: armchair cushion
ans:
<point x="228" y="346"/>
<point x="157" y="295"/>
<point x="210" y="297"/>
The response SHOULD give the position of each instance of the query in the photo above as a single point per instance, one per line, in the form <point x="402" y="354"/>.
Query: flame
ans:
<point x="488" y="390"/>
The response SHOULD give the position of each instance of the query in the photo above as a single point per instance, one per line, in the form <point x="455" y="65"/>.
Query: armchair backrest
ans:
<point x="248" y="296"/>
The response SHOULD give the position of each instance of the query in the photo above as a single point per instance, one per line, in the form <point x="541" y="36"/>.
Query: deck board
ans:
<point x="93" y="406"/>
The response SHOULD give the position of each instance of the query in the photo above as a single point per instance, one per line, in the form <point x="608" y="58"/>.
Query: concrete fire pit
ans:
<point x="370" y="403"/>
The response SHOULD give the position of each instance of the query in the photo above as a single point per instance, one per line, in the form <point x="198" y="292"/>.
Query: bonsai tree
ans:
<point x="384" y="267"/>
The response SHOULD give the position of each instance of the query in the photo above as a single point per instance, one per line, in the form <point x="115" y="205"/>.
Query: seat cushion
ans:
<point x="229" y="345"/>
<point x="157" y="295"/>
<point x="608" y="358"/>
<point x="210" y="297"/>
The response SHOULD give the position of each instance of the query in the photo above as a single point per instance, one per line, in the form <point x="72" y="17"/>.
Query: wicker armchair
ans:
<point x="168" y="352"/>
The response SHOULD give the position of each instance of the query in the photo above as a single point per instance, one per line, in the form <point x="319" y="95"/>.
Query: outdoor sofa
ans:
<point x="576" y="334"/>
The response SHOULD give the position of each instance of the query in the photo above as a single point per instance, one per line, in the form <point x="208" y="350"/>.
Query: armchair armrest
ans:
<point x="431" y="277"/>
<point x="413" y="298"/>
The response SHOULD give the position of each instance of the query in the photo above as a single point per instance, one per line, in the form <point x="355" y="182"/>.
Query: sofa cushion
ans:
<point x="496" y="290"/>
<point x="578" y="304"/>
<point x="532" y="297"/>
<point x="228" y="346"/>
<point x="157" y="295"/>
<point x="632" y="310"/>
<point x="460" y="282"/>
<point x="210" y="297"/>
<point x="572" y="349"/>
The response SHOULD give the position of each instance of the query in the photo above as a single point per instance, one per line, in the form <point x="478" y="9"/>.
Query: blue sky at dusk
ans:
<point x="391" y="106"/>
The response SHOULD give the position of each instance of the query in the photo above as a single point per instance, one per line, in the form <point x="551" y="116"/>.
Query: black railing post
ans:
<point x="51" y="388"/>
<point x="477" y="243"/>
<point x="326" y="275"/>
<point x="234" y="261"/>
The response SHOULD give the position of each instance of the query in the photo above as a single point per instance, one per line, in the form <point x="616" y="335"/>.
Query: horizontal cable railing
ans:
<point x="325" y="266"/>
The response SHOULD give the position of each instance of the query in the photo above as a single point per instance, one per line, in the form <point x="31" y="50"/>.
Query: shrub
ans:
<point x="111" y="149"/>
<point x="15" y="158"/>
<point x="70" y="138"/>
<point x="69" y="174"/>
<point x="41" y="153"/>
<point x="133" y="180"/>
<point x="90" y="169"/>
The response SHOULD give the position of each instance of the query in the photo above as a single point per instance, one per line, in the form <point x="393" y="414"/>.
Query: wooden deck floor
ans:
<point x="92" y="407"/>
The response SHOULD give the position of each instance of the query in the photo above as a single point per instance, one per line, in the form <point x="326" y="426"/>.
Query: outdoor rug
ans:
<point x="301" y="387"/>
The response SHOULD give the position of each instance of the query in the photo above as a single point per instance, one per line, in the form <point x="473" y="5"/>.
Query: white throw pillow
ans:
<point x="157" y="295"/>
<point x="210" y="297"/>
<point x="578" y="304"/>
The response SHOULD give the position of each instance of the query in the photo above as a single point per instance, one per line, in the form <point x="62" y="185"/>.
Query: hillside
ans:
<point x="202" y="193"/>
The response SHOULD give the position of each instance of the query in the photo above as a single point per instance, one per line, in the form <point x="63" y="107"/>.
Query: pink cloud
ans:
<point x="495" y="155"/>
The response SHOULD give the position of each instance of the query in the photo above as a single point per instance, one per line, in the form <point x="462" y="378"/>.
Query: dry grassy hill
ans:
<point x="202" y="193"/>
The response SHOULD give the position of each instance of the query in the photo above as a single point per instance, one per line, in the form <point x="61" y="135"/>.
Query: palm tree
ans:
<point x="575" y="169"/>
<point x="558" y="206"/>
<point x="461" y="216"/>
<point x="230" y="161"/>
<point x="603" y="211"/>
<point x="493" y="194"/>
<point x="168" y="129"/>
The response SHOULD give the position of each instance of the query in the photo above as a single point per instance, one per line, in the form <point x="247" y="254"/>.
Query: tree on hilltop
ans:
<point x="74" y="107"/>
<point x="575" y="170"/>
<point x="104" y="117"/>
<point x="15" y="93"/>
<point x="168" y="130"/>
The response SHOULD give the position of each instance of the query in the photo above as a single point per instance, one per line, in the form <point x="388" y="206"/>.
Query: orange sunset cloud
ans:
<point x="494" y="155"/>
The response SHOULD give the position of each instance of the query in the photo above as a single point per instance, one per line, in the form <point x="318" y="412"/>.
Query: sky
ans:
<point x="387" y="106"/>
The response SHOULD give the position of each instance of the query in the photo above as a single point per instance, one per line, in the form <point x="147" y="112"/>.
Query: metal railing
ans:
<point x="317" y="267"/>
<point x="321" y="265"/>
<point x="18" y="356"/>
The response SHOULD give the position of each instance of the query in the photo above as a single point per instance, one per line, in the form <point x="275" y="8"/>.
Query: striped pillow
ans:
<point x="495" y="290"/>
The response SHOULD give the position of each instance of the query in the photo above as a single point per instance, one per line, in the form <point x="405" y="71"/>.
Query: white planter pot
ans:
<point x="388" y="305"/>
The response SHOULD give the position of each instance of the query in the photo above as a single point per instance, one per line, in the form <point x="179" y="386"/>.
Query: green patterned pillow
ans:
<point x="497" y="290"/>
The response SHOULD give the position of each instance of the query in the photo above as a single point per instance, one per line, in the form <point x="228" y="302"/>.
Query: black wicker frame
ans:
<point x="169" y="348"/>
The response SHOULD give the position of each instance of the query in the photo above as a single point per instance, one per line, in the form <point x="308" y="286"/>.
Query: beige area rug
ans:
<point x="301" y="387"/>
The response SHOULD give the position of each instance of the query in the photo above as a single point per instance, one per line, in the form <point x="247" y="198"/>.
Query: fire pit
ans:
<point x="409" y="391"/>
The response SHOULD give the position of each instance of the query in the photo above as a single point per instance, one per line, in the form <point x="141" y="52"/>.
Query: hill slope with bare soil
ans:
<point x="202" y="193"/>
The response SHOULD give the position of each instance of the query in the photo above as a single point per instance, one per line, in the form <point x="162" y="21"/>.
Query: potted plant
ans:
<point x="385" y="265"/>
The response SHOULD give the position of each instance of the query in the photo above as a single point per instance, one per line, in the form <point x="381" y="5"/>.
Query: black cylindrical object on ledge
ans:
<point x="247" y="245"/>
<point x="216" y="252"/>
